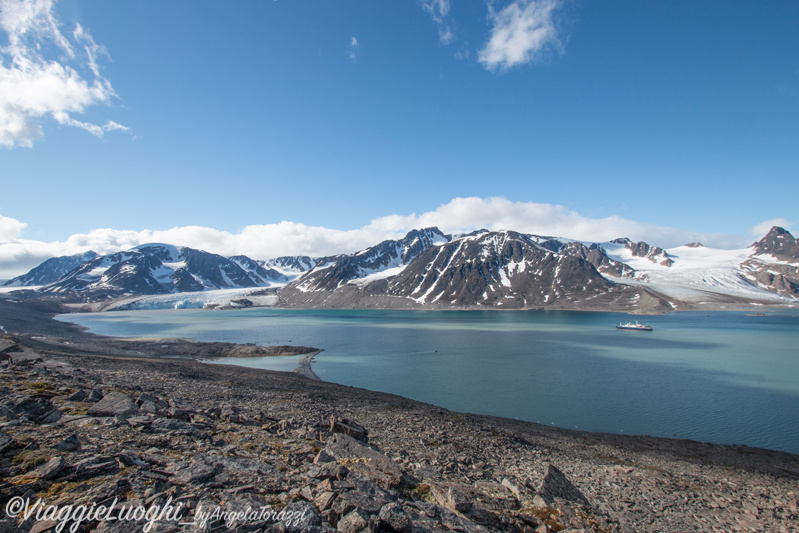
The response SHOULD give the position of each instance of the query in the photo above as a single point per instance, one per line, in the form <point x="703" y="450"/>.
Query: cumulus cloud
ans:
<point x="10" y="229"/>
<point x="264" y="241"/>
<point x="466" y="214"/>
<point x="758" y="230"/>
<point x="522" y="32"/>
<point x="34" y="86"/>
<point x="439" y="12"/>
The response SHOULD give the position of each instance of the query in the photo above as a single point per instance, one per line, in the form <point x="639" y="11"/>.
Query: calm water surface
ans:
<point x="723" y="377"/>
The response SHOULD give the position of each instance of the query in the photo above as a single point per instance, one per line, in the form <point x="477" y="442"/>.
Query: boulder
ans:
<point x="556" y="485"/>
<point x="355" y="522"/>
<point x="69" y="444"/>
<point x="361" y="458"/>
<point x="50" y="469"/>
<point x="348" y="427"/>
<point x="116" y="404"/>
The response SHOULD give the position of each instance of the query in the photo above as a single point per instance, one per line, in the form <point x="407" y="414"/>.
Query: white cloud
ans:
<point x="354" y="44"/>
<point x="758" y="230"/>
<point x="263" y="241"/>
<point x="33" y="87"/>
<point x="522" y="32"/>
<point x="10" y="228"/>
<point x="466" y="214"/>
<point x="439" y="11"/>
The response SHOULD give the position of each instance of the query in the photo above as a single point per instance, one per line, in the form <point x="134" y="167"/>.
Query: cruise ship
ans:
<point x="636" y="326"/>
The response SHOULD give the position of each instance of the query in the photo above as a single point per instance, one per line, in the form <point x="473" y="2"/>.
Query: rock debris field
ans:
<point x="137" y="428"/>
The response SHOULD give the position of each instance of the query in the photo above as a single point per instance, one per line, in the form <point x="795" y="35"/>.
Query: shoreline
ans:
<point x="304" y="365"/>
<point x="768" y="436"/>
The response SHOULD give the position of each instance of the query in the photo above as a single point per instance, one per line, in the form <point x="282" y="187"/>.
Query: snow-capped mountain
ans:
<point x="507" y="269"/>
<point x="780" y="244"/>
<point x="482" y="269"/>
<point x="385" y="259"/>
<point x="594" y="254"/>
<point x="502" y="269"/>
<point x="163" y="269"/>
<point x="50" y="270"/>
<point x="258" y="270"/>
<point x="654" y="254"/>
<point x="774" y="264"/>
<point x="291" y="265"/>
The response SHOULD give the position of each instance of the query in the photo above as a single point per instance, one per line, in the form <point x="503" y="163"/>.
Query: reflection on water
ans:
<point x="723" y="377"/>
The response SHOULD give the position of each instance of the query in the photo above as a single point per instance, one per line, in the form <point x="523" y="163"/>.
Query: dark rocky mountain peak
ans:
<point x="780" y="243"/>
<point x="292" y="263"/>
<point x="642" y="249"/>
<point x="503" y="268"/>
<point x="331" y="272"/>
<point x="596" y="255"/>
<point x="257" y="270"/>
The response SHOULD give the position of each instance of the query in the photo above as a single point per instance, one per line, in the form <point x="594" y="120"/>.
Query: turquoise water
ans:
<point x="723" y="377"/>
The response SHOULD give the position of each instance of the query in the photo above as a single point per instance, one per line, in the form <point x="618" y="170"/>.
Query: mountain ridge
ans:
<point x="479" y="270"/>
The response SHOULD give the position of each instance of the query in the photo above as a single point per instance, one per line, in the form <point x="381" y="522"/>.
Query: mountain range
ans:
<point x="428" y="269"/>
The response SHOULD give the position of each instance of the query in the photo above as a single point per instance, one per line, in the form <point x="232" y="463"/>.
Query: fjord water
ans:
<point x="726" y="377"/>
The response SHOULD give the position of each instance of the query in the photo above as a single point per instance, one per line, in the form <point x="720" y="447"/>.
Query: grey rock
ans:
<point x="42" y="526"/>
<point x="197" y="470"/>
<point x="324" y="500"/>
<point x="171" y="425"/>
<point x="355" y="522"/>
<point x="147" y="397"/>
<point x="375" y="464"/>
<point x="454" y="496"/>
<point x="6" y="442"/>
<point x="323" y="457"/>
<point x="69" y="444"/>
<point x="395" y="516"/>
<point x="51" y="468"/>
<point x="556" y="485"/>
<point x="348" y="427"/>
<point x="32" y="408"/>
<point x="367" y="496"/>
<point x="450" y="520"/>
<point x="78" y="396"/>
<point x="301" y="517"/>
<point x="94" y="396"/>
<point x="114" y="404"/>
<point x="513" y="487"/>
<point x="52" y="417"/>
<point x="148" y="407"/>
<point x="203" y="467"/>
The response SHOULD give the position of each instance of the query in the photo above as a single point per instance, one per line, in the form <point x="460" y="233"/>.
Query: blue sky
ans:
<point x="308" y="127"/>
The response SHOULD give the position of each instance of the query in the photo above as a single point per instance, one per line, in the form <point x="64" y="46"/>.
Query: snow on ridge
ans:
<point x="174" y="253"/>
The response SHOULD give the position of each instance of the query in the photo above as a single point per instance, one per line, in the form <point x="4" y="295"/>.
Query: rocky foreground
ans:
<point x="91" y="421"/>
